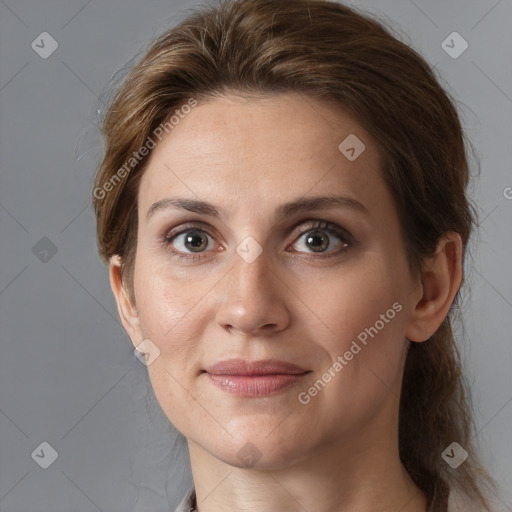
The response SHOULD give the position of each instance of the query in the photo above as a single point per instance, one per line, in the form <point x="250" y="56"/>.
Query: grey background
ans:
<point x="68" y="375"/>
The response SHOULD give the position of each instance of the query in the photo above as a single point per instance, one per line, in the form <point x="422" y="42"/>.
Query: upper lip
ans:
<point x="263" y="367"/>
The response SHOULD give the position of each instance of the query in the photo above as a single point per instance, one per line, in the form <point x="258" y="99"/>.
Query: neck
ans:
<point x="340" y="478"/>
<point x="358" y="470"/>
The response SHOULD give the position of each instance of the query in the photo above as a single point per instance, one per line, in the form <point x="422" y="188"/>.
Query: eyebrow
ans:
<point x="299" y="205"/>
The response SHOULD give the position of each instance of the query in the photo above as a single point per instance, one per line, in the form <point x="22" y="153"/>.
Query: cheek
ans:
<point x="165" y="300"/>
<point x="169" y="312"/>
<point x="365" y="315"/>
<point x="355" y="298"/>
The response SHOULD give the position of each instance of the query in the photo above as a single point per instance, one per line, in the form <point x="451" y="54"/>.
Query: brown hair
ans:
<point x="322" y="49"/>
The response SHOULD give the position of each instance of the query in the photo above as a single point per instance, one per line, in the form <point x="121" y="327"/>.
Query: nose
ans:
<point x="253" y="300"/>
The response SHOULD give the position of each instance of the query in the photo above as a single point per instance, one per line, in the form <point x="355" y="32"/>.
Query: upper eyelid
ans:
<point x="343" y="234"/>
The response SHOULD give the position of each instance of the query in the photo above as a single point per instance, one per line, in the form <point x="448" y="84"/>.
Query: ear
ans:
<point x="441" y="280"/>
<point x="127" y="310"/>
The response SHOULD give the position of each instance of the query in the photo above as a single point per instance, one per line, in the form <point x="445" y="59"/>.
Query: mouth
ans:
<point x="257" y="378"/>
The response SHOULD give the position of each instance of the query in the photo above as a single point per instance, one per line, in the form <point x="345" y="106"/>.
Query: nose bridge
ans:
<point x="251" y="299"/>
<point x="251" y="268"/>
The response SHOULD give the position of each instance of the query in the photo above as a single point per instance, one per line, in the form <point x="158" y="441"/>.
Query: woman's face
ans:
<point x="323" y="286"/>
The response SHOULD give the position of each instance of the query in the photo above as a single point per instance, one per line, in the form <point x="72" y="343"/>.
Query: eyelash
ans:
<point x="328" y="227"/>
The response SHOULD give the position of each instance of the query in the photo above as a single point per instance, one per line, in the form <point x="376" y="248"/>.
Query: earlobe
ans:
<point x="127" y="310"/>
<point x="441" y="280"/>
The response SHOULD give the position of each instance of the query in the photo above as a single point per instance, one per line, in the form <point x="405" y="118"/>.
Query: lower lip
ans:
<point x="257" y="385"/>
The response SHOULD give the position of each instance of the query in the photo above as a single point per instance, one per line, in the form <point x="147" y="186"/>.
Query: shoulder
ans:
<point x="188" y="502"/>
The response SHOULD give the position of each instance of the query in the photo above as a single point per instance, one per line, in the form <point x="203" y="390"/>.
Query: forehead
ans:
<point x="280" y="146"/>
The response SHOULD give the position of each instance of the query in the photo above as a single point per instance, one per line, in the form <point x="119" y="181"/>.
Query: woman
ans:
<point x="283" y="208"/>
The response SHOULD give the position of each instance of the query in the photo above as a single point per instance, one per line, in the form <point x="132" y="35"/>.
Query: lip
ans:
<point x="252" y="368"/>
<point x="254" y="378"/>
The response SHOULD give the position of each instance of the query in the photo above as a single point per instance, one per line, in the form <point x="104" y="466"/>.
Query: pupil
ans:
<point x="195" y="240"/>
<point x="316" y="238"/>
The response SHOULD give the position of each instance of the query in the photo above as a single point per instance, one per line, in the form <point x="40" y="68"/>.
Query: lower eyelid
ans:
<point x="168" y="240"/>
<point x="325" y="226"/>
<point x="191" y="256"/>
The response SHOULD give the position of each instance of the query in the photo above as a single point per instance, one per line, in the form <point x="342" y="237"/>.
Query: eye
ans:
<point x="191" y="239"/>
<point x="320" y="238"/>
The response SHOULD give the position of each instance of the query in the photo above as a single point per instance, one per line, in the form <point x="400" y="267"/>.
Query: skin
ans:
<point x="339" y="452"/>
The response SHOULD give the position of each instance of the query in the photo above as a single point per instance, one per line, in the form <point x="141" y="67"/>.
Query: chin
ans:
<point x="258" y="450"/>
